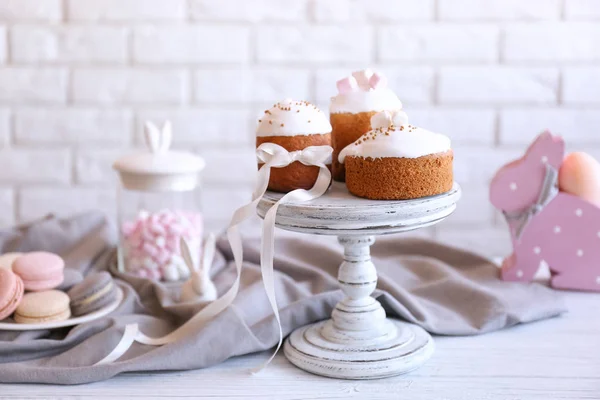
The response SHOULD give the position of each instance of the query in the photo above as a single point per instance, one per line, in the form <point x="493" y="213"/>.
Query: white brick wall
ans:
<point x="31" y="10"/>
<point x="439" y="43"/>
<point x="78" y="78"/>
<point x="68" y="44"/>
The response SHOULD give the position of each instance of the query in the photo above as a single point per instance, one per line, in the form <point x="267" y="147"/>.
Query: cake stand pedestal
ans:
<point x="359" y="342"/>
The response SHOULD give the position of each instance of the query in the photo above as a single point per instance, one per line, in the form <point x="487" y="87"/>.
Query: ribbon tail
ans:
<point x="267" y="271"/>
<point x="520" y="226"/>
<point x="549" y="187"/>
<point x="548" y="191"/>
<point x="124" y="344"/>
<point x="267" y="252"/>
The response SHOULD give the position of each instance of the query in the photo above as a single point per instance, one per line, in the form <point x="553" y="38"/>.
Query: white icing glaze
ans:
<point x="385" y="119"/>
<point x="364" y="98"/>
<point x="291" y="118"/>
<point x="402" y="142"/>
<point x="364" y="101"/>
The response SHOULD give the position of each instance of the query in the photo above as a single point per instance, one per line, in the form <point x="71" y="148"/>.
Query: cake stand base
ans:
<point x="359" y="342"/>
<point x="402" y="348"/>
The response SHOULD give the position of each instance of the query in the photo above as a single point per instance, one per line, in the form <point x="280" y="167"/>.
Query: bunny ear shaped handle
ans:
<point x="166" y="137"/>
<point x="158" y="141"/>
<point x="152" y="136"/>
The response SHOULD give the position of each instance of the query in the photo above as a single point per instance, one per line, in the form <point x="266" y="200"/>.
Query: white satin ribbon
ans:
<point x="271" y="156"/>
<point x="549" y="190"/>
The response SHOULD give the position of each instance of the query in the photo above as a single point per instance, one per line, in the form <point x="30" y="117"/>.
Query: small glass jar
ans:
<point x="158" y="205"/>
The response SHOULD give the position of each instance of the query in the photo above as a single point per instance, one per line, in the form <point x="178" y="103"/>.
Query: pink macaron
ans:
<point x="11" y="292"/>
<point x="40" y="270"/>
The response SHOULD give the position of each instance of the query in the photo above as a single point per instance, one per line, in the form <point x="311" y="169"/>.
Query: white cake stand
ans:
<point x="359" y="342"/>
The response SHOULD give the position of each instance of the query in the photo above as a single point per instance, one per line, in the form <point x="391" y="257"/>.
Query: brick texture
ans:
<point x="319" y="44"/>
<point x="30" y="10"/>
<point x="80" y="126"/>
<point x="249" y="11"/>
<point x="498" y="10"/>
<point x="552" y="42"/>
<point x="122" y="86"/>
<point x="126" y="10"/>
<point x="3" y="45"/>
<point x="78" y="79"/>
<point x="5" y="126"/>
<point x="28" y="85"/>
<point x="35" y="166"/>
<point x="73" y="44"/>
<point x="581" y="85"/>
<point x="498" y="85"/>
<point x="575" y="125"/>
<point x="190" y="44"/>
<point x="372" y="10"/>
<point x="262" y="85"/>
<point x="439" y="42"/>
<point x="582" y="9"/>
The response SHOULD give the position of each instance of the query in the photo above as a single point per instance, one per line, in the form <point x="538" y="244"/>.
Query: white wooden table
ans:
<point x="552" y="359"/>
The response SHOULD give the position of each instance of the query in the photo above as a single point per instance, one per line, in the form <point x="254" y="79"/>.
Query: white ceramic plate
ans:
<point x="13" y="326"/>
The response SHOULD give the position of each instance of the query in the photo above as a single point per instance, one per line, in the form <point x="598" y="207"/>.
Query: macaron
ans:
<point x="39" y="270"/>
<point x="96" y="291"/>
<point x="7" y="259"/>
<point x="11" y="292"/>
<point x="40" y="307"/>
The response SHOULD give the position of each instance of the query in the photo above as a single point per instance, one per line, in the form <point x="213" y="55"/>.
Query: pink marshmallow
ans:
<point x="128" y="228"/>
<point x="147" y="235"/>
<point x="163" y="256"/>
<point x="175" y="229"/>
<point x="152" y="241"/>
<point x="157" y="228"/>
<point x="377" y="81"/>
<point x="347" y="85"/>
<point x="362" y="78"/>
<point x="150" y="249"/>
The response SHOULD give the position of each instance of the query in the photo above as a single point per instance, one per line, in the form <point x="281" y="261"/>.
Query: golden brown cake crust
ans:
<point x="347" y="128"/>
<point x="295" y="175"/>
<point x="393" y="178"/>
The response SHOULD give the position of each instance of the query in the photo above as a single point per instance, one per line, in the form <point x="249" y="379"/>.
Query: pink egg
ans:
<point x="580" y="175"/>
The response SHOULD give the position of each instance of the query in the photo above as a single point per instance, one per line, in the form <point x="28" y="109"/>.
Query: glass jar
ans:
<point x="158" y="206"/>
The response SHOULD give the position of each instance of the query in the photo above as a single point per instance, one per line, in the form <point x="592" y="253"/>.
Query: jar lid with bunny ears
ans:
<point x="158" y="168"/>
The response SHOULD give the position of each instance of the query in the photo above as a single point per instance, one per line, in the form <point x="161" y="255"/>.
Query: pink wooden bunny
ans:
<point x="557" y="227"/>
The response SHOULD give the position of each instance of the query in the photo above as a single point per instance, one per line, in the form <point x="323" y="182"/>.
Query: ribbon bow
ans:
<point x="278" y="157"/>
<point x="272" y="156"/>
<point x="548" y="192"/>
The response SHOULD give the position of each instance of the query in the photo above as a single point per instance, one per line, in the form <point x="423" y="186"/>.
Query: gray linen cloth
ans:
<point x="444" y="290"/>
